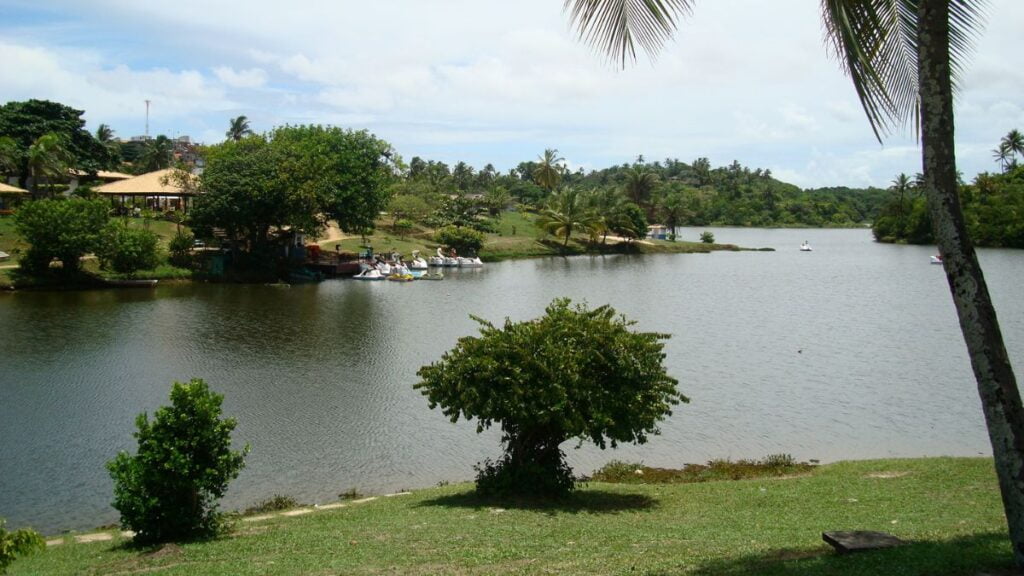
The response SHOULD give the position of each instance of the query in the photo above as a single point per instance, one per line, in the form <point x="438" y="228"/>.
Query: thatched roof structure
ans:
<point x="159" y="183"/>
<point x="11" y="190"/>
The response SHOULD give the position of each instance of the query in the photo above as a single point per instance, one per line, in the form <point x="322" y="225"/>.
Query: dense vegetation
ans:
<point x="993" y="208"/>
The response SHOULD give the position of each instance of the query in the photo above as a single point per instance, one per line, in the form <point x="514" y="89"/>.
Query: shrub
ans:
<point x="573" y="373"/>
<point x="464" y="240"/>
<point x="127" y="250"/>
<point x="707" y="237"/>
<point x="18" y="543"/>
<point x="65" y="229"/>
<point x="169" y="489"/>
<point x="181" y="249"/>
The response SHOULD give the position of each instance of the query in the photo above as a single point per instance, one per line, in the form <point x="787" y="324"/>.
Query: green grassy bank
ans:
<point x="949" y="510"/>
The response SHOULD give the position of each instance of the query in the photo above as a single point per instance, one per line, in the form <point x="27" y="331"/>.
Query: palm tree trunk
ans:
<point x="997" y="385"/>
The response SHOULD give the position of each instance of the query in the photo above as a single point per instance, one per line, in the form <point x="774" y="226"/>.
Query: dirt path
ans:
<point x="331" y="234"/>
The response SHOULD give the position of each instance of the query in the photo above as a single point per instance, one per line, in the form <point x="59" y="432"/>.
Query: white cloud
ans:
<point x="251" y="78"/>
<point x="499" y="82"/>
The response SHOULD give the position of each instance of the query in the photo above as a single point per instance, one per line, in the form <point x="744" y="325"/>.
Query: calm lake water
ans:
<point x="851" y="351"/>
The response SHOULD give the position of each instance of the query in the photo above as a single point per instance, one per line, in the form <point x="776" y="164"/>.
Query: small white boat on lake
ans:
<point x="937" y="259"/>
<point x="474" y="262"/>
<point x="417" y="263"/>
<point x="371" y="274"/>
<point x="805" y="247"/>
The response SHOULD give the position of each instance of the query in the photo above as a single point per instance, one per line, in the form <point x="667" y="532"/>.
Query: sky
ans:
<point x="495" y="82"/>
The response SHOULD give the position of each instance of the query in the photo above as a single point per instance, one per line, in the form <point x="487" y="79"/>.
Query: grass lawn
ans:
<point x="948" y="509"/>
<point x="10" y="241"/>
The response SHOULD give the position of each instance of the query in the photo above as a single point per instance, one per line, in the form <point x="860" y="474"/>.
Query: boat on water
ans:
<point x="805" y="247"/>
<point x="401" y="277"/>
<point x="432" y="276"/>
<point x="442" y="260"/>
<point x="417" y="263"/>
<point x="937" y="259"/>
<point x="474" y="262"/>
<point x="370" y="274"/>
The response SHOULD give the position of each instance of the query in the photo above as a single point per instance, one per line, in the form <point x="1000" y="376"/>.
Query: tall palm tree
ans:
<point x="48" y="159"/>
<point x="238" y="129"/>
<point x="640" y="182"/>
<point x="1014" y="143"/>
<point x="899" y="186"/>
<point x="105" y="134"/>
<point x="565" y="213"/>
<point x="904" y="57"/>
<point x="1002" y="156"/>
<point x="548" y="172"/>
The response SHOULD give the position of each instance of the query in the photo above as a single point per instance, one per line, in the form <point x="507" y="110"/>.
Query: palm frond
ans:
<point x="876" y="43"/>
<point x="615" y="26"/>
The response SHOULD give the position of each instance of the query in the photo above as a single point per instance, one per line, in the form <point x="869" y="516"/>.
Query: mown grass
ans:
<point x="948" y="509"/>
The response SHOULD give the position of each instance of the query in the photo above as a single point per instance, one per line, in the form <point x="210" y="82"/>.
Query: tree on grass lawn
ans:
<point x="65" y="229"/>
<point x="463" y="239"/>
<point x="572" y="373"/>
<point x="169" y="490"/>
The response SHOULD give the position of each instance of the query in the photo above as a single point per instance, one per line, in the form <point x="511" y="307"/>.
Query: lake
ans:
<point x="850" y="351"/>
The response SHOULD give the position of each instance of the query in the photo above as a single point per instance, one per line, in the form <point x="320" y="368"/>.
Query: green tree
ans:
<point x="640" y="183"/>
<point x="105" y="136"/>
<point x="630" y="222"/>
<point x="565" y="213"/>
<point x="8" y="155"/>
<point x="548" y="172"/>
<point x="238" y="129"/>
<point x="169" y="489"/>
<point x="572" y="373"/>
<point x="1014" y="143"/>
<point x="25" y="122"/>
<point x="903" y="57"/>
<point x="900" y="185"/>
<point x="463" y="239"/>
<point x="18" y="543"/>
<point x="157" y="154"/>
<point x="346" y="173"/>
<point x="408" y="207"/>
<point x="48" y="160"/>
<point x="247" y="194"/>
<point x="65" y="229"/>
<point x="127" y="250"/>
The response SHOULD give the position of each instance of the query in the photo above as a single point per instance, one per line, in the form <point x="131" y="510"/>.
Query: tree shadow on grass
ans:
<point x="582" y="501"/>
<point x="986" y="553"/>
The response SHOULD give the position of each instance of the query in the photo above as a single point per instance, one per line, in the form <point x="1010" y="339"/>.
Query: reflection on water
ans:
<point x="852" y="351"/>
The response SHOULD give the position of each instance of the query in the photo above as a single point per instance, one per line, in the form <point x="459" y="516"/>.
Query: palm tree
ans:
<point x="1014" y="143"/>
<point x="105" y="134"/>
<point x="565" y="213"/>
<point x="548" y="172"/>
<point x="238" y="129"/>
<point x="640" y="182"/>
<point x="1002" y="156"/>
<point x="157" y="154"/>
<point x="903" y="57"/>
<point x="900" y="185"/>
<point x="48" y="159"/>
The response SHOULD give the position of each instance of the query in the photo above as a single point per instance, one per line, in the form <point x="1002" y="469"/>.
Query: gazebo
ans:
<point x="8" y="196"/>
<point x="160" y="190"/>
